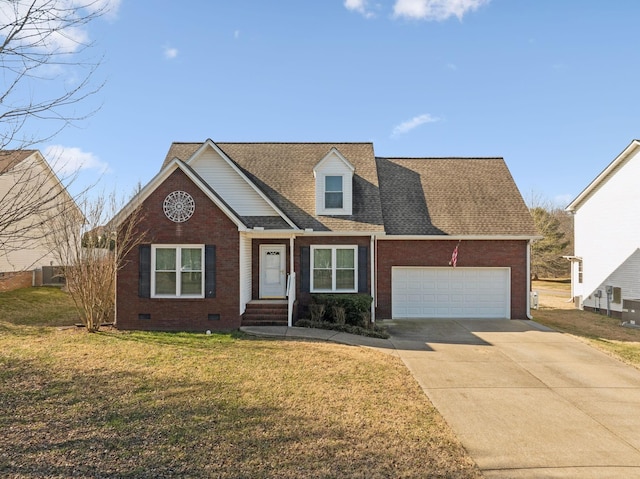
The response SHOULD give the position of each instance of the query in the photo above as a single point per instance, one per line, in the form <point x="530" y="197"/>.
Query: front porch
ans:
<point x="266" y="312"/>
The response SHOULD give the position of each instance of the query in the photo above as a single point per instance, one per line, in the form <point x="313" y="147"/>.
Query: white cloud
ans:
<point x="360" y="6"/>
<point x="67" y="160"/>
<point x="236" y="34"/>
<point x="438" y="10"/>
<point x="415" y="122"/>
<point x="170" y="53"/>
<point x="108" y="7"/>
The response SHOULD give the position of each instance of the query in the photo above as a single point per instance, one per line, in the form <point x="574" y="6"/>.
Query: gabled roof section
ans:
<point x="157" y="180"/>
<point x="604" y="176"/>
<point x="452" y="197"/>
<point x="333" y="153"/>
<point x="29" y="166"/>
<point x="229" y="182"/>
<point x="283" y="172"/>
<point x="11" y="158"/>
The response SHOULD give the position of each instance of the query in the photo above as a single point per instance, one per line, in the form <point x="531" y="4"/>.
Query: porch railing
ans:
<point x="291" y="297"/>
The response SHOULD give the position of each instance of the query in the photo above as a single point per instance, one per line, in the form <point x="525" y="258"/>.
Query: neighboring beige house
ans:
<point x="30" y="194"/>
<point x="606" y="264"/>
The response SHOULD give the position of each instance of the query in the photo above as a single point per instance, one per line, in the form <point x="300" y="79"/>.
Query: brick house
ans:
<point x="239" y="231"/>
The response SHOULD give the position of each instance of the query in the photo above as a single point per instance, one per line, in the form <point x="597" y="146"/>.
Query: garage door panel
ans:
<point x="424" y="292"/>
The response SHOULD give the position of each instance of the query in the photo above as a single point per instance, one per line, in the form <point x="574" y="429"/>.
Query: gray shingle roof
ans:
<point x="451" y="196"/>
<point x="401" y="196"/>
<point x="284" y="172"/>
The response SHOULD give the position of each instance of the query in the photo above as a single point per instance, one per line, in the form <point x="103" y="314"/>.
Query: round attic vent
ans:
<point x="179" y="206"/>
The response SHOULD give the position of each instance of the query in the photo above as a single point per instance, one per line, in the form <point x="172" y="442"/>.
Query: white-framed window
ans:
<point x="177" y="271"/>
<point x="334" y="269"/>
<point x="333" y="192"/>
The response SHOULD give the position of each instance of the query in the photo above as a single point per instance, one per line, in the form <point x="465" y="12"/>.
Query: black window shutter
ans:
<point x="209" y="271"/>
<point x="144" y="271"/>
<point x="363" y="270"/>
<point x="305" y="269"/>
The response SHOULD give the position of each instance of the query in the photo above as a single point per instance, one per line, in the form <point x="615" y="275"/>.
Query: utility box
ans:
<point x="631" y="310"/>
<point x="534" y="299"/>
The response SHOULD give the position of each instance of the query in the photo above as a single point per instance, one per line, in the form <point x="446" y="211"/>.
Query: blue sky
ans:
<point x="551" y="86"/>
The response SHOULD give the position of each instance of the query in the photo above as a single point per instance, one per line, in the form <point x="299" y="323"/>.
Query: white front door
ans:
<point x="273" y="277"/>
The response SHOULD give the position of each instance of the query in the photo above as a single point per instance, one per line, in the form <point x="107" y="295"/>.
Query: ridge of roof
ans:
<point x="440" y="157"/>
<point x="276" y="142"/>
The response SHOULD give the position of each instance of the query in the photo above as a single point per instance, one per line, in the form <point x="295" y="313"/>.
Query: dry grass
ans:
<point x="111" y="404"/>
<point x="603" y="332"/>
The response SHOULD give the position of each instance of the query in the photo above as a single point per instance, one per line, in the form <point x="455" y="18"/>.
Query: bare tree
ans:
<point x="47" y="75"/>
<point x="91" y="249"/>
<point x="46" y="66"/>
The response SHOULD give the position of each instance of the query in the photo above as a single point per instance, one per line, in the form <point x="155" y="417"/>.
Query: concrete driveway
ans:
<point x="526" y="402"/>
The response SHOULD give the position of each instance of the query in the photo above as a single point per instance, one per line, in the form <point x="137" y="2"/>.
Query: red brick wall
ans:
<point x="512" y="254"/>
<point x="13" y="281"/>
<point x="208" y="225"/>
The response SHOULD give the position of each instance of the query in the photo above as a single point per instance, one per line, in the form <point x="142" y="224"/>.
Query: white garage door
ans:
<point x="450" y="292"/>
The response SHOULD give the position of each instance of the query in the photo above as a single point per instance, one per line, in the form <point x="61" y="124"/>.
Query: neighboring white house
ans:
<point x="30" y="195"/>
<point x="606" y="263"/>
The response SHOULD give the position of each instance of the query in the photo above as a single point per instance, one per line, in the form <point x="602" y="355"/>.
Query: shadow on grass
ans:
<point x="202" y="416"/>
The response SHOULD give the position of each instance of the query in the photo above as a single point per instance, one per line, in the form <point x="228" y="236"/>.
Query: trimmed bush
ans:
<point x="353" y="305"/>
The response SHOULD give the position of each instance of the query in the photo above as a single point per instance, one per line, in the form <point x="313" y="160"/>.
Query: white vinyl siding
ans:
<point x="326" y="172"/>
<point x="435" y="292"/>
<point x="607" y="236"/>
<point x="230" y="186"/>
<point x="30" y="248"/>
<point x="245" y="271"/>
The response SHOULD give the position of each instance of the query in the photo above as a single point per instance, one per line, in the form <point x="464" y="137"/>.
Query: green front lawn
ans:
<point x="116" y="404"/>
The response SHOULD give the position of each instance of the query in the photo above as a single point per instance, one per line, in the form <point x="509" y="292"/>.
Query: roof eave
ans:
<point x="601" y="178"/>
<point x="464" y="237"/>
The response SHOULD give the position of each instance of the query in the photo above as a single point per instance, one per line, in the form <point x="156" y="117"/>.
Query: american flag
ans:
<point x="454" y="256"/>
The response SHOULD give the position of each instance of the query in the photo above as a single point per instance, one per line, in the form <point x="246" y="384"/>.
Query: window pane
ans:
<point x="191" y="259"/>
<point x="345" y="279"/>
<point x="344" y="258"/>
<point x="333" y="183"/>
<point x="333" y="200"/>
<point x="165" y="259"/>
<point x="191" y="283"/>
<point x="166" y="283"/>
<point x="322" y="279"/>
<point x="321" y="258"/>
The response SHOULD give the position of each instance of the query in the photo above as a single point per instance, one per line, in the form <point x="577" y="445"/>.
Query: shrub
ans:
<point x="317" y="311"/>
<point x="339" y="314"/>
<point x="354" y="305"/>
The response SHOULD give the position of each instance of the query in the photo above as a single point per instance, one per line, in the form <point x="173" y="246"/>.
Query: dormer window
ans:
<point x="333" y="192"/>
<point x="334" y="185"/>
